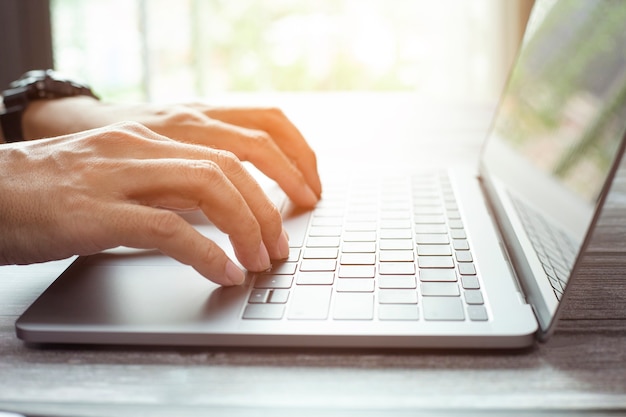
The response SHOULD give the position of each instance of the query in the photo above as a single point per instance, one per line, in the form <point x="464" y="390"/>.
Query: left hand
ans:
<point x="263" y="136"/>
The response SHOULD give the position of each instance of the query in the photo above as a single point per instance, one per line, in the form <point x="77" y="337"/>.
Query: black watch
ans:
<point x="34" y="85"/>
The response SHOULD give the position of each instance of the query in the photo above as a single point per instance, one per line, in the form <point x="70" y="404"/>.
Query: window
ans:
<point x="172" y="50"/>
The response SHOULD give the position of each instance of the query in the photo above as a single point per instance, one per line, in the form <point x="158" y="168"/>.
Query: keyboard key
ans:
<point x="467" y="269"/>
<point x="398" y="312"/>
<point x="396" y="224"/>
<point x="396" y="244"/>
<point x="434" y="250"/>
<point x="355" y="285"/>
<point x="458" y="234"/>
<point x="322" y="242"/>
<point x="359" y="237"/>
<point x="394" y="296"/>
<point x="443" y="308"/>
<point x="357" y="271"/>
<point x="444" y="275"/>
<point x="470" y="282"/>
<point x="396" y="268"/>
<point x="474" y="297"/>
<point x="396" y="256"/>
<point x="396" y="281"/>
<point x="463" y="256"/>
<point x="431" y="239"/>
<point x="321" y="253"/>
<point x="318" y="265"/>
<point x="429" y="219"/>
<point x="400" y="214"/>
<point x="455" y="224"/>
<point x="363" y="216"/>
<point x="358" y="247"/>
<point x="264" y="311"/>
<point x="352" y="226"/>
<point x="444" y="289"/>
<point x="431" y="229"/>
<point x="309" y="303"/>
<point x="396" y="234"/>
<point x="395" y="206"/>
<point x="460" y="244"/>
<point x="325" y="231"/>
<point x="273" y="281"/>
<point x="327" y="212"/>
<point x="315" y="278"/>
<point x="279" y="296"/>
<point x="435" y="262"/>
<point x="428" y="210"/>
<point x="358" y="259"/>
<point x="477" y="313"/>
<point x="354" y="306"/>
<point x="283" y="268"/>
<point x="259" y="296"/>
<point x="327" y="221"/>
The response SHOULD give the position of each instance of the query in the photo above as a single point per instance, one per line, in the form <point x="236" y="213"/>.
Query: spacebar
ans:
<point x="309" y="303"/>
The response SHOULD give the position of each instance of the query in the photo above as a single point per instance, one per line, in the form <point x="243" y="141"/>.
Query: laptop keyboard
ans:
<point x="392" y="249"/>
<point x="555" y="249"/>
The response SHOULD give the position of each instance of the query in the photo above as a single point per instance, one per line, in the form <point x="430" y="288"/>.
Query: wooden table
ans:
<point x="581" y="369"/>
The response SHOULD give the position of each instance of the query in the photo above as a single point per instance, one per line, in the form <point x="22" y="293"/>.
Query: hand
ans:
<point x="263" y="136"/>
<point x="114" y="186"/>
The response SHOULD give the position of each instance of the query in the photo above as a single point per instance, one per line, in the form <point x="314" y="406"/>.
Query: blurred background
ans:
<point x="170" y="50"/>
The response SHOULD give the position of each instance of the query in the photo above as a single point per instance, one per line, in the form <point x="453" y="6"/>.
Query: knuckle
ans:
<point x="228" y="162"/>
<point x="132" y="127"/>
<point x="179" y="115"/>
<point x="275" y="113"/>
<point x="163" y="225"/>
<point x="123" y="134"/>
<point x="261" y="139"/>
<point x="202" y="173"/>
<point x="270" y="212"/>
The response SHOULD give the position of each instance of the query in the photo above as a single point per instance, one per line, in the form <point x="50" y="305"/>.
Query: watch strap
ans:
<point x="11" y="122"/>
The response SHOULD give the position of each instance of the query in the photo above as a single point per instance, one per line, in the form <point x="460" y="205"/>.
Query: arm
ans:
<point x="85" y="192"/>
<point x="263" y="136"/>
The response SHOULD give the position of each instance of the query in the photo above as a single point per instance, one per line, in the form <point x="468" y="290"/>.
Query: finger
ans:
<point x="280" y="128"/>
<point x="259" y="148"/>
<point x="223" y="189"/>
<point x="143" y="227"/>
<point x="203" y="184"/>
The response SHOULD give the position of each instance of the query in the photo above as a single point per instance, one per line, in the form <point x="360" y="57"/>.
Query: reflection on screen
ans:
<point x="566" y="104"/>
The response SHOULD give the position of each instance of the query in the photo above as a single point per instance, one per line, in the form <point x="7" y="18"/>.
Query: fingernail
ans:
<point x="283" y="245"/>
<point x="235" y="275"/>
<point x="264" y="258"/>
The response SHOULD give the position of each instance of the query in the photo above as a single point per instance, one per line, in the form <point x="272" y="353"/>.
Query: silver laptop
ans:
<point x="451" y="259"/>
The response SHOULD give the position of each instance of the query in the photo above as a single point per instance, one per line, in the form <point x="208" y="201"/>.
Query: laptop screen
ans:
<point x="558" y="130"/>
<point x="564" y="110"/>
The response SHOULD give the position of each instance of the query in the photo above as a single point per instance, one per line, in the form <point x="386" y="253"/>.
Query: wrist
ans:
<point x="57" y="117"/>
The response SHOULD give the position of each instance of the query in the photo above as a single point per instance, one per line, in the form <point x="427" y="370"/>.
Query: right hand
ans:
<point x="86" y="192"/>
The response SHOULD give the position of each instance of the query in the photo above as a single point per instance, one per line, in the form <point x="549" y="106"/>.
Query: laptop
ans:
<point x="449" y="259"/>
